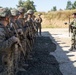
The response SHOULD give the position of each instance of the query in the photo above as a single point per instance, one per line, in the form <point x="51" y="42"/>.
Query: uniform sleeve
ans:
<point x="5" y="44"/>
<point x="40" y="19"/>
<point x="71" y="23"/>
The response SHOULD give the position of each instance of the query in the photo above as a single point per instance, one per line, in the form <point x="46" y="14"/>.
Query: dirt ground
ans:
<point x="43" y="63"/>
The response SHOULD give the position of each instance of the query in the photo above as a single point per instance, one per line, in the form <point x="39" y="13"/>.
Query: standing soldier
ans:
<point x="73" y="31"/>
<point x="16" y="28"/>
<point x="39" y="19"/>
<point x="22" y="23"/>
<point x="6" y="43"/>
<point x="27" y="34"/>
<point x="30" y="13"/>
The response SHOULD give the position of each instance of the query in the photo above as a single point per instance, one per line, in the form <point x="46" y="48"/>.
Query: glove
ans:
<point x="15" y="39"/>
<point x="20" y="31"/>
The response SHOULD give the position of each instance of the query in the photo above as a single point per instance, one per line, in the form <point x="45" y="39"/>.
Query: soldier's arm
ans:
<point x="41" y="19"/>
<point x="5" y="44"/>
<point x="71" y="23"/>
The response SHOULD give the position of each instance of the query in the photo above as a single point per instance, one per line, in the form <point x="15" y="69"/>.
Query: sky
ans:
<point x="41" y="5"/>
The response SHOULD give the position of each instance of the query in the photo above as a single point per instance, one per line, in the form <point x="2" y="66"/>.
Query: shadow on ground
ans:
<point x="44" y="64"/>
<point x="64" y="56"/>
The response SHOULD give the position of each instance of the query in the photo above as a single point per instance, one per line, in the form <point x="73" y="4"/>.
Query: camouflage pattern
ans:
<point x="4" y="12"/>
<point x="14" y="12"/>
<point x="25" y="16"/>
<point x="73" y="34"/>
<point x="17" y="28"/>
<point x="6" y="42"/>
<point x="30" y="11"/>
<point x="21" y="27"/>
<point x="24" y="41"/>
<point x="21" y="9"/>
<point x="39" y="21"/>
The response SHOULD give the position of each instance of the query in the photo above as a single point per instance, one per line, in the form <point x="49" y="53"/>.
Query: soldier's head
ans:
<point x="4" y="14"/>
<point x="14" y="13"/>
<point x="39" y="14"/>
<point x="21" y="11"/>
<point x="74" y="15"/>
<point x="30" y="13"/>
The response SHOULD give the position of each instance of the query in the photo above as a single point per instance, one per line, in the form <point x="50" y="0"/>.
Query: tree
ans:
<point x="74" y="5"/>
<point x="27" y="5"/>
<point x="20" y="3"/>
<point x="54" y="8"/>
<point x="69" y="5"/>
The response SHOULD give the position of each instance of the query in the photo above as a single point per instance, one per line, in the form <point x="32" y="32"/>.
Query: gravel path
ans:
<point x="43" y="63"/>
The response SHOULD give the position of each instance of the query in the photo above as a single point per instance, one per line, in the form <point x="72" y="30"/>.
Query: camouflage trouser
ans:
<point x="22" y="56"/>
<point x="73" y="38"/>
<point x="39" y="29"/>
<point x="7" y="61"/>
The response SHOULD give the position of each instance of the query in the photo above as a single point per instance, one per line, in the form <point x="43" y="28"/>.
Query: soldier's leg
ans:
<point x="75" y="39"/>
<point x="10" y="69"/>
<point x="40" y="29"/>
<point x="72" y="42"/>
<point x="22" y="57"/>
<point x="29" y="50"/>
<point x="37" y="30"/>
<point x="4" y="64"/>
<point x="8" y="65"/>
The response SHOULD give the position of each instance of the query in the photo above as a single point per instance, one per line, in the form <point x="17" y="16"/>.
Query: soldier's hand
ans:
<point x="15" y="39"/>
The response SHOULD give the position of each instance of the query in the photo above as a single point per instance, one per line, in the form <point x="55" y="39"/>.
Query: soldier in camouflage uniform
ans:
<point x="31" y="31"/>
<point x="39" y="19"/>
<point x="7" y="40"/>
<point x="17" y="28"/>
<point x="31" y="23"/>
<point x="27" y="34"/>
<point x="24" y="42"/>
<point x="73" y="32"/>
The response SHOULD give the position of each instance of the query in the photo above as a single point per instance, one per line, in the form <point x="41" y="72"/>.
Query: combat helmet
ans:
<point x="74" y="14"/>
<point x="14" y="12"/>
<point x="30" y="11"/>
<point x="4" y="12"/>
<point x="39" y="14"/>
<point x="21" y="9"/>
<point x="25" y="15"/>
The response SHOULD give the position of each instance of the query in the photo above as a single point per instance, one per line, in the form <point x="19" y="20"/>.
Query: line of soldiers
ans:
<point x="18" y="31"/>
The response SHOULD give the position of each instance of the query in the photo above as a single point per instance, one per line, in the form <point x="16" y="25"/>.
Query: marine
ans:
<point x="73" y="32"/>
<point x="39" y="21"/>
<point x="7" y="43"/>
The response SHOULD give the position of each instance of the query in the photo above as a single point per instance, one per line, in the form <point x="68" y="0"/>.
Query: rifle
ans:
<point x="69" y="26"/>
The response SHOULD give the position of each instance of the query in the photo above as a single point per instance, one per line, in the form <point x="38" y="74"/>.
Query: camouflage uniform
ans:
<point x="30" y="35"/>
<point x="73" y="32"/>
<point x="7" y="40"/>
<point x="31" y="22"/>
<point x="27" y="34"/>
<point x="16" y="27"/>
<point x="24" y="42"/>
<point x="39" y="19"/>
